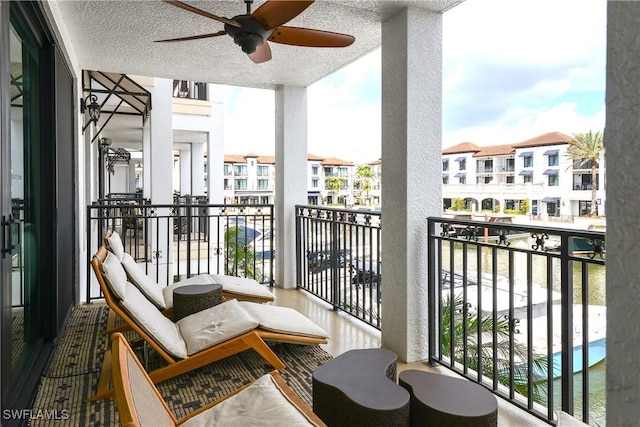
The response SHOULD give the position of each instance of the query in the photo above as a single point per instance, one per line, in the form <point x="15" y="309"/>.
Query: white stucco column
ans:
<point x="291" y="176"/>
<point x="215" y="149"/>
<point x="185" y="172"/>
<point x="198" y="183"/>
<point x="412" y="172"/>
<point x="623" y="251"/>
<point x="146" y="160"/>
<point x="160" y="181"/>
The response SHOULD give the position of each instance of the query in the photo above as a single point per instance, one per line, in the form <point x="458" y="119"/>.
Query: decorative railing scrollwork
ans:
<point x="540" y="240"/>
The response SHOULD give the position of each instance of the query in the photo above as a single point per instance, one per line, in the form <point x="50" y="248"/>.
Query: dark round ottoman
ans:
<point x="193" y="298"/>
<point x="358" y="388"/>
<point x="442" y="401"/>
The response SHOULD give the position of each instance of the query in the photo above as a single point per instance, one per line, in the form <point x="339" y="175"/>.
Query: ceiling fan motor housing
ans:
<point x="249" y="35"/>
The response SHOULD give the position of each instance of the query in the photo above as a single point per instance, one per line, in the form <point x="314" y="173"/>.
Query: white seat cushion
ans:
<point x="149" y="318"/>
<point x="219" y="323"/>
<point x="149" y="287"/>
<point x="114" y="275"/>
<point x="167" y="291"/>
<point x="260" y="404"/>
<point x="116" y="246"/>
<point x="242" y="286"/>
<point x="283" y="319"/>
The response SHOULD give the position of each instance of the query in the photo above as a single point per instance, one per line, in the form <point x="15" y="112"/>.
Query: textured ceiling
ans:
<point x="118" y="36"/>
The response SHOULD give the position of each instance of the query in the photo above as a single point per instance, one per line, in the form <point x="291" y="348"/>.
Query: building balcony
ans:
<point x="530" y="285"/>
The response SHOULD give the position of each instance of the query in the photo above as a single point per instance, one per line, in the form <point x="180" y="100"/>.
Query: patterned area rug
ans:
<point x="75" y="369"/>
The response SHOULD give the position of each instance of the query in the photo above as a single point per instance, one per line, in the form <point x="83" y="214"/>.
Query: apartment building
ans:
<point x="538" y="170"/>
<point x="250" y="179"/>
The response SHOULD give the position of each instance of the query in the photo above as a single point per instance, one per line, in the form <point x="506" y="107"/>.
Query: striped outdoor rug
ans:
<point x="75" y="369"/>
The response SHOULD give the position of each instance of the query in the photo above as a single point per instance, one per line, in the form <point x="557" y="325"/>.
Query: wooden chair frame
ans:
<point x="174" y="366"/>
<point x="225" y="294"/>
<point x="124" y="398"/>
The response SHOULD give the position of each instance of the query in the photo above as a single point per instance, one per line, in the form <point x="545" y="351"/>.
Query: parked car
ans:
<point x="365" y="271"/>
<point x="318" y="261"/>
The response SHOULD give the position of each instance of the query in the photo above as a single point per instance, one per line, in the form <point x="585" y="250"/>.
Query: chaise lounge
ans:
<point x="200" y="338"/>
<point x="241" y="288"/>
<point x="268" y="401"/>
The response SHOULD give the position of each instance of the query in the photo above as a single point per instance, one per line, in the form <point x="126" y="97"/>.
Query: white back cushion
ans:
<point x="114" y="275"/>
<point x="116" y="246"/>
<point x="283" y="319"/>
<point x="263" y="403"/>
<point x="149" y="287"/>
<point x="214" y="325"/>
<point x="242" y="286"/>
<point x="149" y="318"/>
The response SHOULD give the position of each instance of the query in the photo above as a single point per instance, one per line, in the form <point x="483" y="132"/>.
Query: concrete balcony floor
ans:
<point x="348" y="333"/>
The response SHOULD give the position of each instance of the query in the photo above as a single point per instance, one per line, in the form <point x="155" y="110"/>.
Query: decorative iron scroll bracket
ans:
<point x="540" y="239"/>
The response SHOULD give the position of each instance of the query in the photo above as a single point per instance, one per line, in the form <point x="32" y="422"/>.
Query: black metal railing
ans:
<point x="521" y="310"/>
<point x="181" y="240"/>
<point x="338" y="259"/>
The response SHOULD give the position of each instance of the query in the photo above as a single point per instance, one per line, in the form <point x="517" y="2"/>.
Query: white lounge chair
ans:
<point x="268" y="401"/>
<point x="202" y="337"/>
<point x="162" y="296"/>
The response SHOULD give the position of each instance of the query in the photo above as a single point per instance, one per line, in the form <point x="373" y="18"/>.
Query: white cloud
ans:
<point x="249" y="120"/>
<point x="513" y="69"/>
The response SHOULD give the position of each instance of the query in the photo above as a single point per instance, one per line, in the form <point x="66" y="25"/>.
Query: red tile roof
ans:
<point x="463" y="147"/>
<point x="496" y="150"/>
<point x="334" y="161"/>
<point x="551" y="138"/>
<point x="314" y="157"/>
<point x="234" y="158"/>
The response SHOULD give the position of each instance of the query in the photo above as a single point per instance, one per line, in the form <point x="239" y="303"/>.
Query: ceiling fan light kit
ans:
<point x="253" y="31"/>
<point x="250" y="35"/>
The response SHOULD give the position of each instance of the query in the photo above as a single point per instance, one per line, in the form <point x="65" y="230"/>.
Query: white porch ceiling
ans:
<point x="118" y="36"/>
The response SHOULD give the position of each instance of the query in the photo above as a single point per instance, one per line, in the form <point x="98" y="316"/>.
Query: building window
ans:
<point x="344" y="172"/>
<point x="240" y="170"/>
<point x="263" y="184"/>
<point x="314" y="183"/>
<point x="510" y="165"/>
<point x="227" y="170"/>
<point x="510" y="179"/>
<point x="528" y="161"/>
<point x="240" y="184"/>
<point x="314" y="170"/>
<point x="462" y="180"/>
<point x="445" y="165"/>
<point x="528" y="179"/>
<point x="263" y="171"/>
<point x="553" y="181"/>
<point x="553" y="160"/>
<point x="462" y="165"/>
<point x="445" y="180"/>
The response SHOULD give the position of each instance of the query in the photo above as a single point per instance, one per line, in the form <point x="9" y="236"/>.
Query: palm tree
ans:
<point x="366" y="173"/>
<point x="334" y="183"/>
<point x="240" y="259"/>
<point x="588" y="147"/>
<point x="483" y="355"/>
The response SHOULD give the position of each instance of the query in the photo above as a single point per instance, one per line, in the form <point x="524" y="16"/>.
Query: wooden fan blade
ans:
<point x="274" y="13"/>
<point x="201" y="12"/>
<point x="201" y="36"/>
<point x="297" y="36"/>
<point x="262" y="53"/>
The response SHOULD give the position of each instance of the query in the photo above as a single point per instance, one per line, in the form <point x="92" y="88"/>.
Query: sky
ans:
<point x="512" y="70"/>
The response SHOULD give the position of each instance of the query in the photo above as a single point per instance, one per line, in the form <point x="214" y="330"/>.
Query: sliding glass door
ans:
<point x="24" y="222"/>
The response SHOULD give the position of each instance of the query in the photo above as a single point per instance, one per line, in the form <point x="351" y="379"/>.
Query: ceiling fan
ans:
<point x="253" y="31"/>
